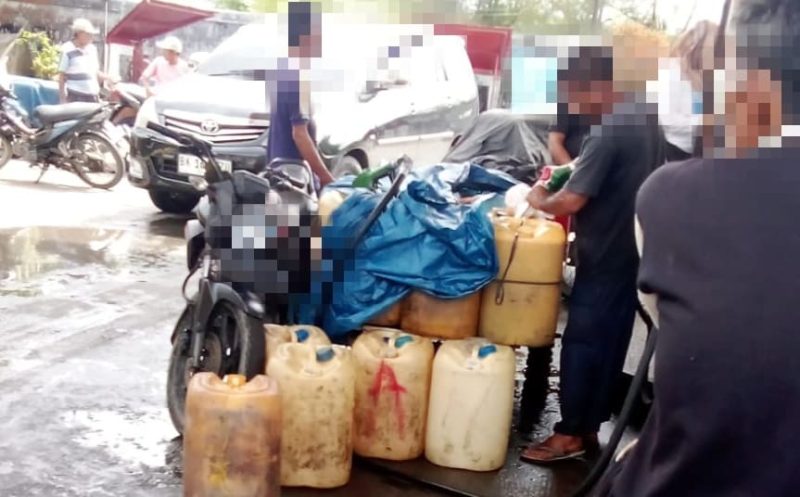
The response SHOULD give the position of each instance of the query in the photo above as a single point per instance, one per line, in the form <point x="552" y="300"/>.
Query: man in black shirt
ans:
<point x="720" y="254"/>
<point x="624" y="146"/>
<point x="566" y="135"/>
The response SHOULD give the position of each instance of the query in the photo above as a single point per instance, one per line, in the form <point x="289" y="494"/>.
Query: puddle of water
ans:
<point x="27" y="253"/>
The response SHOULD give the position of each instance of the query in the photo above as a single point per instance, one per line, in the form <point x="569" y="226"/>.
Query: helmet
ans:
<point x="172" y="43"/>
<point x="84" y="26"/>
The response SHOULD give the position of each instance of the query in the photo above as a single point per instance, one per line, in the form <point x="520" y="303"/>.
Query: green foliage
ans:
<point x="44" y="53"/>
<point x="238" y="5"/>
<point x="537" y="15"/>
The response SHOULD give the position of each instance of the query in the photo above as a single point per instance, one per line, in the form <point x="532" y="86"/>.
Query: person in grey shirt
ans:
<point x="79" y="69"/>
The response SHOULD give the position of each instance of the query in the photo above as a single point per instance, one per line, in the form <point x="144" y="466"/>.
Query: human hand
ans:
<point x="553" y="178"/>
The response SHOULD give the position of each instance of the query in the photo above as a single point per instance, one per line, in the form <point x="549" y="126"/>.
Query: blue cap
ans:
<point x="302" y="335"/>
<point x="325" y="354"/>
<point x="486" y="351"/>
<point x="403" y="340"/>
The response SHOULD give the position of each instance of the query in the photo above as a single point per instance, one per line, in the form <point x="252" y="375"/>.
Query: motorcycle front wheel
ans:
<point x="234" y="343"/>
<point x="97" y="161"/>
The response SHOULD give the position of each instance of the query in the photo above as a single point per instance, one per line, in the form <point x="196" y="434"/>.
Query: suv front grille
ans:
<point x="217" y="129"/>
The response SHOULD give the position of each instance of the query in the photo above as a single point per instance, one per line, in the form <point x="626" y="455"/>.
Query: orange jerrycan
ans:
<point x="448" y="319"/>
<point x="277" y="335"/>
<point x="232" y="438"/>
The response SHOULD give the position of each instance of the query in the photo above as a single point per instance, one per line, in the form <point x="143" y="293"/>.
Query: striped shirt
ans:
<point x="80" y="67"/>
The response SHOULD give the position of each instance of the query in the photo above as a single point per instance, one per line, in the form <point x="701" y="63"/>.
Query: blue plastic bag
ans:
<point x="424" y="240"/>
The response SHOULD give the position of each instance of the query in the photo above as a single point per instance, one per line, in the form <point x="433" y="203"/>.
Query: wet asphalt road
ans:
<point x="89" y="292"/>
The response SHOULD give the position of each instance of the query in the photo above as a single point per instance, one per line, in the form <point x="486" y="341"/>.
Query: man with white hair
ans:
<point x="167" y="67"/>
<point x="80" y="68"/>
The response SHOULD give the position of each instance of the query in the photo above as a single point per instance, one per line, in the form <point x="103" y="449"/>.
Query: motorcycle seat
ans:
<point x="49" y="114"/>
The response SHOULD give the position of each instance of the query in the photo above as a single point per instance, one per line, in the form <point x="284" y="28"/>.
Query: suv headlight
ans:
<point x="147" y="113"/>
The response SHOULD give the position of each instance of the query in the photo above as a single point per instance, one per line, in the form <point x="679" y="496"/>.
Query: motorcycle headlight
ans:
<point x="147" y="113"/>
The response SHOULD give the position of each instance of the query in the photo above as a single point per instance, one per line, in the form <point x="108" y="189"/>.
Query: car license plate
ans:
<point x="191" y="165"/>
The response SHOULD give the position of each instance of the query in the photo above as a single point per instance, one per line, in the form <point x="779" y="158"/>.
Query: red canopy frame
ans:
<point x="153" y="18"/>
<point x="486" y="47"/>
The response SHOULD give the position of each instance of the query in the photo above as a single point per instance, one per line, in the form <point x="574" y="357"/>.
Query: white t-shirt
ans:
<point x="675" y="104"/>
<point x="162" y="72"/>
<point x="80" y="67"/>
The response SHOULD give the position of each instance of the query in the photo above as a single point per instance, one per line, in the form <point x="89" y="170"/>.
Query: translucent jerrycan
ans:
<point x="471" y="403"/>
<point x="232" y="437"/>
<point x="278" y="335"/>
<point x="393" y="371"/>
<point x="448" y="319"/>
<point x="317" y="398"/>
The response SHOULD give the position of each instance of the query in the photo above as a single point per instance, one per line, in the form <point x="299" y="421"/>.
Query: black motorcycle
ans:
<point x="72" y="137"/>
<point x="254" y="245"/>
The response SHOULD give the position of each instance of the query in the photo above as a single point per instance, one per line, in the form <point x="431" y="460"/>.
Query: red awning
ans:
<point x="153" y="18"/>
<point x="486" y="46"/>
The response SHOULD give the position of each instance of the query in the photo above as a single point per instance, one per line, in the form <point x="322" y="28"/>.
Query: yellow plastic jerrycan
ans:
<point x="329" y="202"/>
<point x="393" y="372"/>
<point x="521" y="306"/>
<point x="232" y="438"/>
<point x="433" y="317"/>
<point x="277" y="335"/>
<point x="472" y="398"/>
<point x="317" y="397"/>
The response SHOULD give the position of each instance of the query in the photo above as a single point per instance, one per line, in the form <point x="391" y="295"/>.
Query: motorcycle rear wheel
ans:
<point x="98" y="154"/>
<point x="5" y="150"/>
<point x="224" y="351"/>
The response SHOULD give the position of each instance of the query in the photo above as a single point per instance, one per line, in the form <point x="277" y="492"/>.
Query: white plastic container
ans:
<point x="393" y="371"/>
<point x="471" y="403"/>
<point x="278" y="335"/>
<point x="317" y="401"/>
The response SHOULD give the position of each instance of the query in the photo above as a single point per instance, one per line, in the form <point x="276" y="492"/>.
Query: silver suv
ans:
<point x="385" y="93"/>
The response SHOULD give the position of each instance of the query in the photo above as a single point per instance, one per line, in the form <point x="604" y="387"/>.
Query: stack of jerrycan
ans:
<point x="448" y="319"/>
<point x="471" y="403"/>
<point x="277" y="335"/>
<point x="232" y="438"/>
<point x="317" y="397"/>
<point x="521" y="306"/>
<point x="393" y="372"/>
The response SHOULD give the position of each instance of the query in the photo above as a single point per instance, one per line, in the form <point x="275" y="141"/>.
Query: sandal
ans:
<point x="555" y="455"/>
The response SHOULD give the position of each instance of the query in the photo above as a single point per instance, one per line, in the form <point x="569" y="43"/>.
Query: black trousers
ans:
<point x="602" y="310"/>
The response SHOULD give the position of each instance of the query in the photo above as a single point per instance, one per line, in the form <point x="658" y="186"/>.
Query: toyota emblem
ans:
<point x="209" y="126"/>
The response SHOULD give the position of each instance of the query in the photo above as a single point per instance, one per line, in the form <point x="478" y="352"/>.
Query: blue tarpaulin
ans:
<point x="425" y="240"/>
<point x="33" y="93"/>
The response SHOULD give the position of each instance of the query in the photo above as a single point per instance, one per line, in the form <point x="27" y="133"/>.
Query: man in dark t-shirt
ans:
<point x="624" y="146"/>
<point x="566" y="135"/>
<point x="292" y="133"/>
<point x="720" y="255"/>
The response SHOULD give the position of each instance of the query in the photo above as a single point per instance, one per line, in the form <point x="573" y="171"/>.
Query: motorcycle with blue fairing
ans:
<point x="73" y="137"/>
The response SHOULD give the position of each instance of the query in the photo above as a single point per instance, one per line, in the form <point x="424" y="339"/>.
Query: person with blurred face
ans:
<point x="79" y="69"/>
<point x="166" y="68"/>
<point x="680" y="89"/>
<point x="719" y="256"/>
<point x="624" y="145"/>
<point x="292" y="132"/>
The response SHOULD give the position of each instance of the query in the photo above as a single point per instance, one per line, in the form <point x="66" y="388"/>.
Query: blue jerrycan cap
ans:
<point x="325" y="354"/>
<point x="302" y="335"/>
<point x="486" y="350"/>
<point x="402" y="341"/>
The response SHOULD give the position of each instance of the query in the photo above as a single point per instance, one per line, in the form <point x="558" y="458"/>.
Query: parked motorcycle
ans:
<point x="73" y="137"/>
<point x="252" y="247"/>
